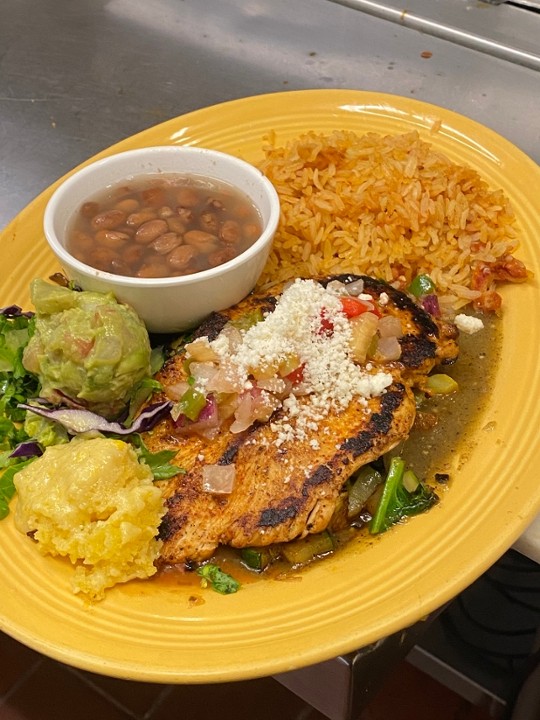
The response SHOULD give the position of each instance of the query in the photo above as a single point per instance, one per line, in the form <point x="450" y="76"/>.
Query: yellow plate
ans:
<point x="153" y="632"/>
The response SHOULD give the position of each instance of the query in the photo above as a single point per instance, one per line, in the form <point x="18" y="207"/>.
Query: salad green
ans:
<point x="219" y="580"/>
<point x="16" y="384"/>
<point x="397" y="501"/>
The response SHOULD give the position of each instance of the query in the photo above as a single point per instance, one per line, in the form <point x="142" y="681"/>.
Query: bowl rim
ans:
<point x="176" y="280"/>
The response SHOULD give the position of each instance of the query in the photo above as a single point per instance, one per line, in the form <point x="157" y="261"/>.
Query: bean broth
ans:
<point x="163" y="226"/>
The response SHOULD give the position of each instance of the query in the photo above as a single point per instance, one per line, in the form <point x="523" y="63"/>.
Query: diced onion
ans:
<point x="218" y="479"/>
<point x="389" y="348"/>
<point x="363" y="329"/>
<point x="355" y="288"/>
<point x="274" y="385"/>
<point x="336" y="286"/>
<point x="243" y="416"/>
<point x="255" y="404"/>
<point x="200" y="350"/>
<point x="233" y="336"/>
<point x="175" y="392"/>
<point x="226" y="380"/>
<point x="390" y="326"/>
<point x="202" y="371"/>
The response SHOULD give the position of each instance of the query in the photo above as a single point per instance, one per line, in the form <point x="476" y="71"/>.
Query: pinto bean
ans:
<point x="165" y="243"/>
<point x="185" y="214"/>
<point x="181" y="257"/>
<point x="108" y="220"/>
<point x="149" y="231"/>
<point x="165" y="212"/>
<point x="209" y="222"/>
<point x="126" y="230"/>
<point x="102" y="258"/>
<point x="81" y="241"/>
<point x="220" y="256"/>
<point x="187" y="197"/>
<point x="128" y="205"/>
<point x="89" y="209"/>
<point x="133" y="254"/>
<point x="242" y="211"/>
<point x="138" y="218"/>
<point x="215" y="204"/>
<point x="251" y="232"/>
<point x="176" y="225"/>
<point x="120" y="267"/>
<point x="111" y="238"/>
<point x="203" y="241"/>
<point x="230" y="232"/>
<point x="154" y="196"/>
<point x="155" y="267"/>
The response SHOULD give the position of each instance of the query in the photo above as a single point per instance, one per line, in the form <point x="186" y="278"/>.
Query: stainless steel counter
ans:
<point x="508" y="34"/>
<point x="79" y="75"/>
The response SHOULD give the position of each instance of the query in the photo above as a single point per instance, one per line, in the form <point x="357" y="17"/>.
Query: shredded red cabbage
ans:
<point x="30" y="448"/>
<point x="77" y="421"/>
<point x="69" y="400"/>
<point x="15" y="311"/>
<point x="431" y="305"/>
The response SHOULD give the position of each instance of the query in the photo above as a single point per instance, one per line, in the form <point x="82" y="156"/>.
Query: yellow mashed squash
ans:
<point x="93" y="502"/>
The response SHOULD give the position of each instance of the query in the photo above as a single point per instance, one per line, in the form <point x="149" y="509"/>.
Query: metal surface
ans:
<point x="509" y="33"/>
<point x="342" y="687"/>
<point x="527" y="4"/>
<point x="92" y="72"/>
<point x="78" y="76"/>
<point x="458" y="682"/>
<point x="527" y="702"/>
<point x="485" y="646"/>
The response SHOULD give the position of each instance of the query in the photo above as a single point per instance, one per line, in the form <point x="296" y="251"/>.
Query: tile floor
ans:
<point x="33" y="687"/>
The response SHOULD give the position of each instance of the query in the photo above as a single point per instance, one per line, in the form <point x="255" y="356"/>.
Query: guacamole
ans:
<point x="87" y="349"/>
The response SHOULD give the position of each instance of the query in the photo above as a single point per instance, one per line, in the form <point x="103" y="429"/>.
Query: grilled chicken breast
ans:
<point x="287" y="487"/>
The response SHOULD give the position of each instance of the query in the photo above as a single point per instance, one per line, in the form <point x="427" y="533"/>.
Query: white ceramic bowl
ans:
<point x="169" y="304"/>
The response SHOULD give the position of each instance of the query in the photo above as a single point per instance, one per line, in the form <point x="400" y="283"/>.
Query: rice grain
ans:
<point x="387" y="206"/>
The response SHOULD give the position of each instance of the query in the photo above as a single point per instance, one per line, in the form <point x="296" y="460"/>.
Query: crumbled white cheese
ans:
<point x="468" y="324"/>
<point x="383" y="299"/>
<point x="298" y="327"/>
